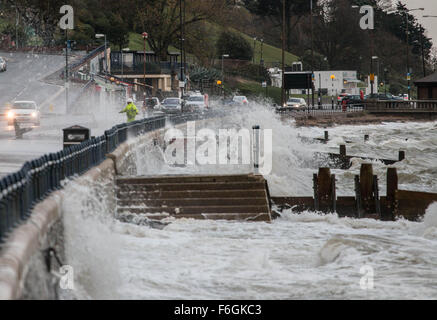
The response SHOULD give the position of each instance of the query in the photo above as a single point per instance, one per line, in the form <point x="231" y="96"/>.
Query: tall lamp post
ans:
<point x="261" y="61"/>
<point x="408" y="47"/>
<point x="98" y="36"/>
<point x="332" y="91"/>
<point x="254" y="48"/>
<point x="312" y="53"/>
<point x="372" y="49"/>
<point x="283" y="56"/>
<point x="223" y="74"/>
<point x="423" y="54"/>
<point x="373" y="81"/>
<point x="145" y="36"/>
<point x="122" y="61"/>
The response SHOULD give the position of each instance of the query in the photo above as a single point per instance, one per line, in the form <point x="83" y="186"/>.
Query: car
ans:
<point x="296" y="103"/>
<point x="240" y="100"/>
<point x="3" y="65"/>
<point x="171" y="105"/>
<point x="381" y="96"/>
<point x="341" y="96"/>
<point x="195" y="102"/>
<point x="153" y="103"/>
<point x="24" y="112"/>
<point x="403" y="96"/>
<point x="353" y="100"/>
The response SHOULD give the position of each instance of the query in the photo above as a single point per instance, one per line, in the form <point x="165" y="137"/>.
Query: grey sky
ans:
<point x="430" y="7"/>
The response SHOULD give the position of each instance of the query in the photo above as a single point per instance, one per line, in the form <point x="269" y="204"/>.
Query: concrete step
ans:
<point x="190" y="194"/>
<point x="181" y="202"/>
<point x="229" y="197"/>
<point x="193" y="186"/>
<point x="196" y="209"/>
<point x="186" y="179"/>
<point x="215" y="216"/>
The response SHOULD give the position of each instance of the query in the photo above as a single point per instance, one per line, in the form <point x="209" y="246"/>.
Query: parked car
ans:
<point x="341" y="96"/>
<point x="354" y="100"/>
<point x="381" y="96"/>
<point x="403" y="96"/>
<point x="195" y="102"/>
<point x="296" y="103"/>
<point x="171" y="105"/>
<point x="3" y="65"/>
<point x="153" y="103"/>
<point x="24" y="112"/>
<point x="240" y="100"/>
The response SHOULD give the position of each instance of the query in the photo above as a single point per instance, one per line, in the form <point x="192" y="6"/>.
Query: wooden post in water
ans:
<point x="366" y="137"/>
<point x="366" y="188"/>
<point x="342" y="150"/>
<point x="392" y="186"/>
<point x="401" y="155"/>
<point x="324" y="189"/>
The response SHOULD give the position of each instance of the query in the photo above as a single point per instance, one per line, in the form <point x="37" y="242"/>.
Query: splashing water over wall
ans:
<point x="307" y="256"/>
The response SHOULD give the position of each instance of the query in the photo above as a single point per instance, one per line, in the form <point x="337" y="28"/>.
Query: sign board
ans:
<point x="264" y="84"/>
<point x="298" y="80"/>
<point x="181" y="84"/>
<point x="372" y="77"/>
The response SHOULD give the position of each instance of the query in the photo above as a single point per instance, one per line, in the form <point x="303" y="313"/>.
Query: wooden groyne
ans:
<point x="367" y="202"/>
<point x="343" y="161"/>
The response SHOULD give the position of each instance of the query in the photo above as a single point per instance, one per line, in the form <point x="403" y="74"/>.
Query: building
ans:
<point x="343" y="81"/>
<point x="427" y="87"/>
<point x="160" y="75"/>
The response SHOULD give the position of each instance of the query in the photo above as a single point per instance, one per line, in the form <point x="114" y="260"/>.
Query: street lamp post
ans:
<point x="254" y="49"/>
<point x="261" y="61"/>
<point x="408" y="47"/>
<point x="145" y="36"/>
<point x="332" y="91"/>
<point x="312" y="53"/>
<point x="373" y="82"/>
<point x="98" y="36"/>
<point x="423" y="54"/>
<point x="122" y="61"/>
<point x="283" y="56"/>
<point x="223" y="74"/>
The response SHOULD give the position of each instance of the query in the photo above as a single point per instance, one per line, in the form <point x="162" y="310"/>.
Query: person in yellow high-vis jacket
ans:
<point x="130" y="110"/>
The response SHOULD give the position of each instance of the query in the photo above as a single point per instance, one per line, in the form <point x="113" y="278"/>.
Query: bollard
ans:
<point x="366" y="187"/>
<point x="366" y="137"/>
<point x="392" y="186"/>
<point x="401" y="155"/>
<point x="326" y="135"/>
<point x="256" y="150"/>
<point x="342" y="150"/>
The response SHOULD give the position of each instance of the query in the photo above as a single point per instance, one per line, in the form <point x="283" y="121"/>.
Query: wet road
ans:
<point x="22" y="80"/>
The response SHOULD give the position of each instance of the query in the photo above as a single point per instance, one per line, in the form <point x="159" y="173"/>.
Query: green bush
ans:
<point x="235" y="45"/>
<point x="201" y="73"/>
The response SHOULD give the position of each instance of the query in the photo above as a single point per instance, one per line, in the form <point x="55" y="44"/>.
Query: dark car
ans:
<point x="171" y="105"/>
<point x="353" y="100"/>
<point x="381" y="96"/>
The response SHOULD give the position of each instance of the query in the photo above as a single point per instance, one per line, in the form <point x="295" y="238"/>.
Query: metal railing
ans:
<point x="22" y="190"/>
<point x="321" y="110"/>
<point x="392" y="105"/>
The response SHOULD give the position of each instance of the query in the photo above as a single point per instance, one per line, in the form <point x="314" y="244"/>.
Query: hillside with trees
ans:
<point x="214" y="27"/>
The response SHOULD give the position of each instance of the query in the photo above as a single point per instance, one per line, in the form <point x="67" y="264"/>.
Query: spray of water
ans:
<point x="302" y="256"/>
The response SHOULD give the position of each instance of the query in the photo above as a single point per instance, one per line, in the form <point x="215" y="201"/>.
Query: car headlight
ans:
<point x="34" y="114"/>
<point x="11" y="114"/>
